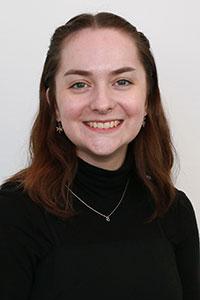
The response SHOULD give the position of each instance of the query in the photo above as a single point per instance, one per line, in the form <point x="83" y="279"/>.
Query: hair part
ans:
<point x="53" y="156"/>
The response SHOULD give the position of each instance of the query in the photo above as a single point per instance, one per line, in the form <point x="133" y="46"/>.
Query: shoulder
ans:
<point x="22" y="218"/>
<point x="15" y="204"/>
<point x="180" y="220"/>
<point x="182" y="206"/>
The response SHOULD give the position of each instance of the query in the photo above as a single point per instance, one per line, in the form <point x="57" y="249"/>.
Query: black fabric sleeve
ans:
<point x="22" y="244"/>
<point x="187" y="250"/>
<point x="181" y="228"/>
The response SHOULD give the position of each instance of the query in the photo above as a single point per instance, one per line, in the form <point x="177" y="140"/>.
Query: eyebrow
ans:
<point x="88" y="73"/>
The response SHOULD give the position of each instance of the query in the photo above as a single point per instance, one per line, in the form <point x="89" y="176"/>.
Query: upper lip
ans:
<point x="103" y="121"/>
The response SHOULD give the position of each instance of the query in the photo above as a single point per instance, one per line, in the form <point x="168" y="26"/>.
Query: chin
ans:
<point x="105" y="152"/>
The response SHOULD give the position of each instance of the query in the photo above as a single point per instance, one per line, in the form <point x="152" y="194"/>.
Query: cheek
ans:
<point x="69" y="111"/>
<point x="135" y="109"/>
<point x="135" y="101"/>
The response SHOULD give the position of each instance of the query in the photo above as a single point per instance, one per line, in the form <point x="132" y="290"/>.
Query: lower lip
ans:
<point x="104" y="130"/>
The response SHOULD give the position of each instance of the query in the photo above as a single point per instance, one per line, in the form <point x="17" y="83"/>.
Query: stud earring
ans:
<point x="59" y="128"/>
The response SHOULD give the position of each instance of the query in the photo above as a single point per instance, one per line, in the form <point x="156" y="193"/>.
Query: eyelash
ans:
<point x="75" y="85"/>
<point x="127" y="82"/>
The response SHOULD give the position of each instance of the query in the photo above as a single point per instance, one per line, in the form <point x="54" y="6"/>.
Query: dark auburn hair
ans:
<point x="53" y="161"/>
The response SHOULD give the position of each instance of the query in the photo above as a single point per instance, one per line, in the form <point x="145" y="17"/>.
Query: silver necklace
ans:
<point x="107" y="217"/>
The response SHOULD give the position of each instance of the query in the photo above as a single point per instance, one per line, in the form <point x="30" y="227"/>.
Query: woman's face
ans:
<point x="101" y="94"/>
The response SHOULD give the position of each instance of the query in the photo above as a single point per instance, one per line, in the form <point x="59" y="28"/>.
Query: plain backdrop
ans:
<point x="173" y="28"/>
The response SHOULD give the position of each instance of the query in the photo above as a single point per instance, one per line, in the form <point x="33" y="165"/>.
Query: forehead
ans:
<point x="99" y="48"/>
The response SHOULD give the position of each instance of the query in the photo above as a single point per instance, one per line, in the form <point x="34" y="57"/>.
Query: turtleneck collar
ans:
<point x="88" y="174"/>
<point x="99" y="187"/>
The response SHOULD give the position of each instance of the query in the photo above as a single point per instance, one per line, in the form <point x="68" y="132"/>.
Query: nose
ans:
<point x="102" y="100"/>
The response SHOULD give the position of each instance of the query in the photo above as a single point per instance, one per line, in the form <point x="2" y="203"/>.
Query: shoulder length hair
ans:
<point x="53" y="161"/>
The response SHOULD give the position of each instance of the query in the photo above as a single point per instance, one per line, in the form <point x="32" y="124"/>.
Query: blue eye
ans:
<point x="123" y="82"/>
<point x="79" y="85"/>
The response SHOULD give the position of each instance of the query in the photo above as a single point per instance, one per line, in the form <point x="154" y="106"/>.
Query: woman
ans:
<point x="96" y="214"/>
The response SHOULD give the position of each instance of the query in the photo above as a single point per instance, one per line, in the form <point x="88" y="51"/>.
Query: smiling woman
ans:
<point x="96" y="213"/>
<point x="108" y="89"/>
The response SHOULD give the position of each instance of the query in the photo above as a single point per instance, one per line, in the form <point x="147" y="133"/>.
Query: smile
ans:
<point x="104" y="125"/>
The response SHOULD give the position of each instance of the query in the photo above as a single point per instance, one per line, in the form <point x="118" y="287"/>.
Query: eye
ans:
<point x="79" y="85"/>
<point x="123" y="82"/>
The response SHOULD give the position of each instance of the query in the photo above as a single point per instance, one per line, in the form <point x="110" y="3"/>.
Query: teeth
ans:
<point x="104" y="125"/>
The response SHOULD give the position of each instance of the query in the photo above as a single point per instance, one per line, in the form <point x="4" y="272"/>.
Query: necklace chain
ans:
<point x="107" y="217"/>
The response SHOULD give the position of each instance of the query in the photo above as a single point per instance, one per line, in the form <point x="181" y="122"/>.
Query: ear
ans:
<point x="48" y="100"/>
<point x="47" y="96"/>
<point x="145" y="109"/>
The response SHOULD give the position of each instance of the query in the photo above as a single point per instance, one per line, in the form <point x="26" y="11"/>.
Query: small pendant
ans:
<point x="108" y="219"/>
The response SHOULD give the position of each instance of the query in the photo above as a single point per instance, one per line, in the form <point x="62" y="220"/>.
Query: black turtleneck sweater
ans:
<point x="42" y="257"/>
